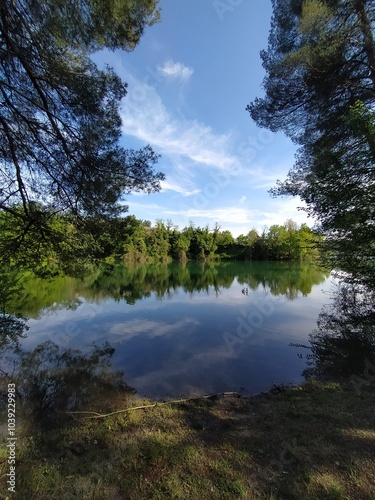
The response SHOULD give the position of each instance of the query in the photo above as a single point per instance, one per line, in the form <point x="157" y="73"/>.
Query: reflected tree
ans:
<point x="286" y="278"/>
<point x="135" y="282"/>
<point x="12" y="329"/>
<point x="344" y="342"/>
<point x="12" y="322"/>
<point x="29" y="293"/>
<point x="51" y="380"/>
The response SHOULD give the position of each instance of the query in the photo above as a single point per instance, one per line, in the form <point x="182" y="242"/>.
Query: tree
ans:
<point x="52" y="380"/>
<point x="320" y="90"/>
<point x="277" y="242"/>
<point x="343" y="345"/>
<point x="157" y="241"/>
<point x="59" y="116"/>
<point x="202" y="242"/>
<point x="179" y="244"/>
<point x="134" y="236"/>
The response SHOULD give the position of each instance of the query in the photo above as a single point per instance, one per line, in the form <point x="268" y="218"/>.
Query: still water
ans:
<point x="185" y="329"/>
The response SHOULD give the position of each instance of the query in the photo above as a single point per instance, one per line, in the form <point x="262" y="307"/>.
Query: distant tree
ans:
<point x="202" y="242"/>
<point x="225" y="239"/>
<point x="179" y="245"/>
<point x="277" y="242"/>
<point x="252" y="237"/>
<point x="134" y="244"/>
<point x="225" y="243"/>
<point x="248" y="245"/>
<point x="309" y="243"/>
<point x="320" y="90"/>
<point x="59" y="116"/>
<point x="170" y="225"/>
<point x="241" y="240"/>
<point x="157" y="241"/>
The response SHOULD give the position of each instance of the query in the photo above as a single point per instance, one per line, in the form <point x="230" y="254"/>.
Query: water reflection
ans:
<point x="133" y="284"/>
<point x="170" y="324"/>
<point x="12" y="322"/>
<point x="51" y="380"/>
<point x="12" y="329"/>
<point x="343" y="345"/>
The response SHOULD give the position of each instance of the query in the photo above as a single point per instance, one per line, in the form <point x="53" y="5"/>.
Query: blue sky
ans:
<point x="189" y="82"/>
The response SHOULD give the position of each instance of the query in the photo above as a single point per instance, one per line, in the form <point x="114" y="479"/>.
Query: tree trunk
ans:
<point x="369" y="44"/>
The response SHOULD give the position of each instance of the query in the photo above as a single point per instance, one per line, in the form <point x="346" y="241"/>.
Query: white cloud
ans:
<point x="176" y="70"/>
<point x="225" y="215"/>
<point x="145" y="117"/>
<point x="150" y="207"/>
<point x="283" y="209"/>
<point x="239" y="219"/>
<point x="172" y="185"/>
<point x="196" y="158"/>
<point x="151" y="329"/>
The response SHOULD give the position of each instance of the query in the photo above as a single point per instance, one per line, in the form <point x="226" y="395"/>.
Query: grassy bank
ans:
<point x="312" y="442"/>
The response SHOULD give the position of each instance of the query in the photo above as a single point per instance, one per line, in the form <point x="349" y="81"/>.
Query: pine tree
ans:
<point x="320" y="90"/>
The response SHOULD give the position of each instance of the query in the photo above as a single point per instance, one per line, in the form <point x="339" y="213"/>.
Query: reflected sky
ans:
<point x="184" y="342"/>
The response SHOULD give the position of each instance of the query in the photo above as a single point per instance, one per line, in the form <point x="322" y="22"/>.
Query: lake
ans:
<point x="185" y="329"/>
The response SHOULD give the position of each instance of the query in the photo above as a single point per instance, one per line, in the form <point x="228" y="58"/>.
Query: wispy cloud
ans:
<point x="145" y="117"/>
<point x="172" y="185"/>
<point x="239" y="219"/>
<point x="151" y="329"/>
<point x="283" y="209"/>
<point x="225" y="215"/>
<point x="176" y="70"/>
<point x="150" y="207"/>
<point x="194" y="153"/>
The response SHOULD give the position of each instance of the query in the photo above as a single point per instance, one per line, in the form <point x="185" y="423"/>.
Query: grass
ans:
<point x="316" y="441"/>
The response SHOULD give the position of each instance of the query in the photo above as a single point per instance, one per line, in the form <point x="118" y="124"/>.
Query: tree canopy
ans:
<point x="60" y="124"/>
<point x="320" y="90"/>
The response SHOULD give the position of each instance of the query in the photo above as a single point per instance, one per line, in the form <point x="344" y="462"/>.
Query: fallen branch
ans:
<point x="95" y="414"/>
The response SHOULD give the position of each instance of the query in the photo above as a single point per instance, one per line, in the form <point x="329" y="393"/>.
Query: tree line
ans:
<point x="61" y="158"/>
<point x="139" y="241"/>
<point x="130" y="239"/>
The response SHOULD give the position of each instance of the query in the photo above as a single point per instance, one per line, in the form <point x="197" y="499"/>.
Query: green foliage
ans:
<point x="320" y="90"/>
<point x="132" y="283"/>
<point x="60" y="122"/>
<point x="56" y="243"/>
<point x="179" y="243"/>
<point x="71" y="249"/>
<point x="116" y="24"/>
<point x="286" y="242"/>
<point x="12" y="321"/>
<point x="157" y="241"/>
<point x="202" y="243"/>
